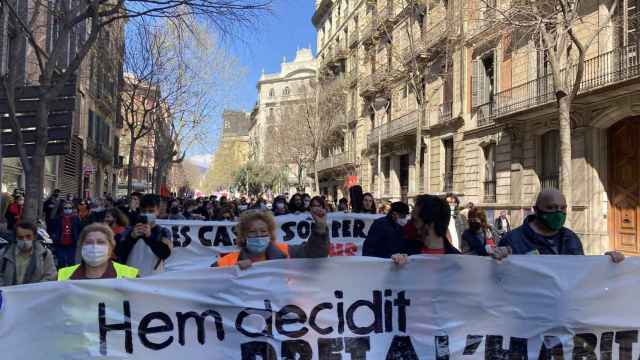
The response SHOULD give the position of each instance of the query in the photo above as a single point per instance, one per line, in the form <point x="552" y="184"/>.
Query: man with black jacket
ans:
<point x="544" y="232"/>
<point x="386" y="236"/>
<point x="146" y="245"/>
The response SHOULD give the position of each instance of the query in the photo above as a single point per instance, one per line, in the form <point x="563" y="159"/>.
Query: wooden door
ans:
<point x="624" y="185"/>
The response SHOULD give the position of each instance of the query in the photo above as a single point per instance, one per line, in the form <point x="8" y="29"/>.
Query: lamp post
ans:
<point x="379" y="102"/>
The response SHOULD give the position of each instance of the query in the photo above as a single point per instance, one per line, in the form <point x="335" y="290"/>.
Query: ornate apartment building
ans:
<point x="489" y="129"/>
<point x="278" y="96"/>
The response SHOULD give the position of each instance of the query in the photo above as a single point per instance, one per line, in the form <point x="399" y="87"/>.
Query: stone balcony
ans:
<point x="402" y="126"/>
<point x="334" y="161"/>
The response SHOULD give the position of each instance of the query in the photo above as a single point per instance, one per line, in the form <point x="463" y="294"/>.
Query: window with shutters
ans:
<point x="490" y="183"/>
<point x="550" y="160"/>
<point x="484" y="86"/>
<point x="447" y="144"/>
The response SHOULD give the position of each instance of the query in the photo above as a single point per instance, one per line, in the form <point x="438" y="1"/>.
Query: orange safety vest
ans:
<point x="232" y="259"/>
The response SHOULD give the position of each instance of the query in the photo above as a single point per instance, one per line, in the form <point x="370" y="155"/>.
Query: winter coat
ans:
<point x="524" y="240"/>
<point x="41" y="266"/>
<point x="385" y="238"/>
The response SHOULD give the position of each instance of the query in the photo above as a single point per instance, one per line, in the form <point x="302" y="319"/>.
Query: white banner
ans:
<point x="198" y="244"/>
<point x="448" y="307"/>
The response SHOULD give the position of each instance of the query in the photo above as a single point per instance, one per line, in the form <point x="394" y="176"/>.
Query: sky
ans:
<point x="277" y="35"/>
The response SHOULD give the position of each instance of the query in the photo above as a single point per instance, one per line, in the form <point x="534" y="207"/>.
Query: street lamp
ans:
<point x="379" y="102"/>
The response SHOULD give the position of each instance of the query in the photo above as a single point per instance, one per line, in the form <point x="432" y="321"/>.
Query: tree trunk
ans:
<point x="566" y="173"/>
<point x="35" y="171"/>
<point x="315" y="175"/>
<point x="132" y="147"/>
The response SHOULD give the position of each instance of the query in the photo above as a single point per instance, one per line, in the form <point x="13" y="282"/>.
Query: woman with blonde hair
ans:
<point x="258" y="241"/>
<point x="97" y="246"/>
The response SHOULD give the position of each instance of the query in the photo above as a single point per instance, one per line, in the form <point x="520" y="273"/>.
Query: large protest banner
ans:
<point x="198" y="244"/>
<point x="448" y="307"/>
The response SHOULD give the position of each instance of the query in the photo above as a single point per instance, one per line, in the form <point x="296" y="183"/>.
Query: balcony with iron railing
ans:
<point x="401" y="126"/>
<point x="604" y="70"/>
<point x="333" y="161"/>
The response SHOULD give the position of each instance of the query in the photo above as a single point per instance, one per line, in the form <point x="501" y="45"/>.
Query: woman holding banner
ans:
<point x="258" y="241"/>
<point x="97" y="245"/>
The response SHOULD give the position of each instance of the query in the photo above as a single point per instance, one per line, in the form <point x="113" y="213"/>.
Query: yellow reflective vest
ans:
<point x="122" y="272"/>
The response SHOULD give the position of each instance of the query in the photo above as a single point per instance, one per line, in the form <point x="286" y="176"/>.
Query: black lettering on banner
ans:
<point x="296" y="350"/>
<point x="376" y="309"/>
<point x="401" y="349"/>
<point x="201" y="235"/>
<point x="346" y="228"/>
<point x="144" y="330"/>
<point x="402" y="303"/>
<point x="177" y="231"/>
<point x="335" y="229"/>
<point x="258" y="350"/>
<point x="222" y="237"/>
<point x="125" y="326"/>
<point x="358" y="229"/>
<point x="340" y="306"/>
<point x="551" y="349"/>
<point x="472" y="344"/>
<point x="199" y="319"/>
<point x="313" y="319"/>
<point x="388" y="312"/>
<point x="304" y="230"/>
<point x="330" y="349"/>
<point x="266" y="314"/>
<point x="442" y="347"/>
<point x="626" y="339"/>
<point x="494" y="351"/>
<point x="606" y="346"/>
<point x="584" y="346"/>
<point x="357" y="347"/>
<point x="282" y="319"/>
<point x="289" y="234"/>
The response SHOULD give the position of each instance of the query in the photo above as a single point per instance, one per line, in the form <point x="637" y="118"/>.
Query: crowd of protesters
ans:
<point x="111" y="238"/>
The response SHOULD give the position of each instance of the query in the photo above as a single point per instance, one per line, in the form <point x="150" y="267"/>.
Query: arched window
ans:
<point x="286" y="91"/>
<point x="272" y="93"/>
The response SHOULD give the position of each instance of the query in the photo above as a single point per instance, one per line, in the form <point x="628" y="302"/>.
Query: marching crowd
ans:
<point x="112" y="238"/>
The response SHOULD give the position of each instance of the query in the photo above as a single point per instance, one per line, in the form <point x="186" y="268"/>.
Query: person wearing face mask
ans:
<point x="306" y="202"/>
<point x="66" y="235"/>
<point x="279" y="206"/>
<point x="258" y="241"/>
<point x="97" y="245"/>
<point x="480" y="238"/>
<point x="146" y="245"/>
<point x="14" y="212"/>
<point x="430" y="217"/>
<point x="457" y="223"/>
<point x="386" y="235"/>
<point x="26" y="260"/>
<point x="544" y="233"/>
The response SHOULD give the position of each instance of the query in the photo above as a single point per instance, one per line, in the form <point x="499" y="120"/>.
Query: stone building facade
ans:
<point x="278" y="95"/>
<point x="233" y="151"/>
<point x="490" y="122"/>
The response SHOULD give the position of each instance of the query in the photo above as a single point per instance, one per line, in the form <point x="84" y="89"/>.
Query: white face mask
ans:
<point x="402" y="221"/>
<point x="24" y="245"/>
<point x="95" y="255"/>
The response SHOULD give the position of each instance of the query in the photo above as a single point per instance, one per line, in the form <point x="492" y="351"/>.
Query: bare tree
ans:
<point x="552" y="27"/>
<point x="83" y="21"/>
<point x="321" y="113"/>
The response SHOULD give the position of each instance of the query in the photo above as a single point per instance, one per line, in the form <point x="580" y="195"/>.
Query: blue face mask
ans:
<point x="258" y="244"/>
